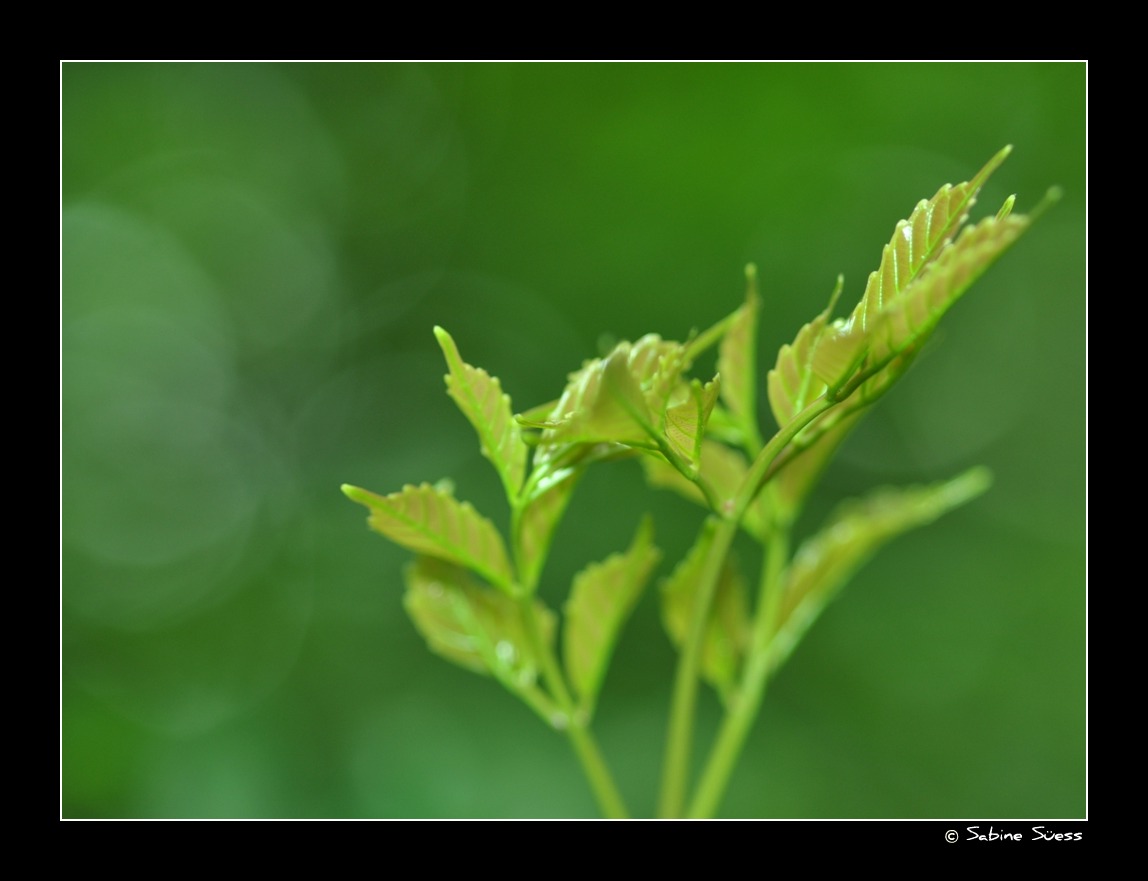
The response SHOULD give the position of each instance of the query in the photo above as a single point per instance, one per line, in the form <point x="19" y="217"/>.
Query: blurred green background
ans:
<point x="253" y="258"/>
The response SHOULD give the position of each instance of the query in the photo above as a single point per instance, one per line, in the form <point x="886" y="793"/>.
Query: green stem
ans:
<point x="675" y="769"/>
<point x="601" y="781"/>
<point x="740" y="717"/>
<point x="676" y="766"/>
<point x="711" y="336"/>
<point x="585" y="745"/>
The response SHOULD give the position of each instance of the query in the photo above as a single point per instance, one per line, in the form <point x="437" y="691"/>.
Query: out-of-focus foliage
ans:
<point x="253" y="258"/>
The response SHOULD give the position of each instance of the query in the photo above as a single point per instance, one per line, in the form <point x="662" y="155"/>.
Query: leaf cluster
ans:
<point x="472" y="590"/>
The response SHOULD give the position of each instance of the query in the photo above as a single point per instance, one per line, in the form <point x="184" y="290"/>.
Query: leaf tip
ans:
<point x="445" y="342"/>
<point x="355" y="494"/>
<point x="991" y="166"/>
<point x="994" y="163"/>
<point x="974" y="482"/>
<point x="751" y="284"/>
<point x="645" y="533"/>
<point x="1053" y="196"/>
<point x="833" y="297"/>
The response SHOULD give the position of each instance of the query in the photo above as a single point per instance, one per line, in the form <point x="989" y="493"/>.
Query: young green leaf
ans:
<point x="827" y="560"/>
<point x="919" y="240"/>
<point x="657" y="366"/>
<point x="728" y="630"/>
<point x="916" y="243"/>
<point x="907" y="322"/>
<point x="617" y="399"/>
<point x="430" y="521"/>
<point x="538" y="521"/>
<point x="601" y="599"/>
<point x="621" y="392"/>
<point x="685" y="423"/>
<point x="537" y="416"/>
<point x="737" y="363"/>
<point x="480" y="398"/>
<point x="792" y="382"/>
<point x="593" y="410"/>
<point x="923" y="272"/>
<point x="473" y="626"/>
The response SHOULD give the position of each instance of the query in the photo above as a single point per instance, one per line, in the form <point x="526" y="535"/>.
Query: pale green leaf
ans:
<point x="480" y="398"/>
<point x="840" y="350"/>
<point x="601" y="599"/>
<point x="609" y="407"/>
<point x="657" y="366"/>
<point x="898" y="333"/>
<point x="536" y="417"/>
<point x="827" y="560"/>
<point x="430" y="521"/>
<point x="737" y="361"/>
<point x="685" y="422"/>
<point x="592" y="410"/>
<point x="923" y="272"/>
<point x="915" y="244"/>
<point x="538" y="520"/>
<point x="621" y="389"/>
<point x="572" y="437"/>
<point x="473" y="626"/>
<point x="616" y="399"/>
<point x="792" y="382"/>
<point x="918" y="241"/>
<point x="728" y="629"/>
<point x="793" y="385"/>
<point x="909" y="320"/>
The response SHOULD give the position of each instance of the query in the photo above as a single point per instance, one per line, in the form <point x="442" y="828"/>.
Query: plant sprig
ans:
<point x="472" y="591"/>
